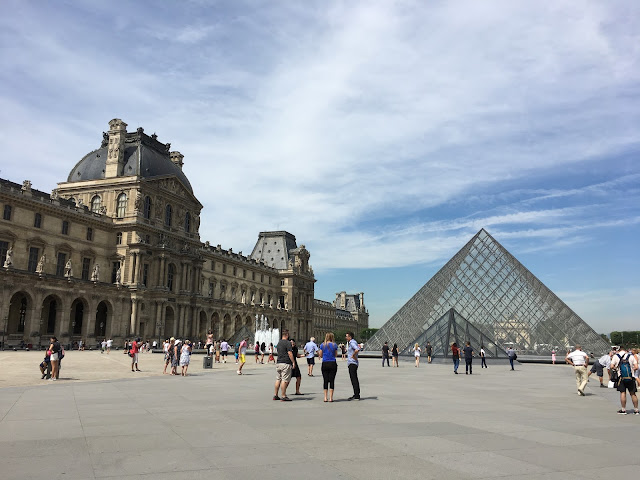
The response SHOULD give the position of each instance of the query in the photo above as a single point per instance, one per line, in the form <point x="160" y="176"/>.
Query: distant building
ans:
<point x="347" y="312"/>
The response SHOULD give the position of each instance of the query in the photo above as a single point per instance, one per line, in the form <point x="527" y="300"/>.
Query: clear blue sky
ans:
<point x="382" y="134"/>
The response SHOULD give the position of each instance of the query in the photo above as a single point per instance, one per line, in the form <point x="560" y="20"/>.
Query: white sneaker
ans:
<point x="239" y="372"/>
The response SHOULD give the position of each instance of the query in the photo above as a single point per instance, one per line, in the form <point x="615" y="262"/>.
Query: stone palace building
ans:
<point x="115" y="252"/>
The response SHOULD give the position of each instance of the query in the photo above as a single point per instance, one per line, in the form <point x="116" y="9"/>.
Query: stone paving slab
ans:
<point x="102" y="421"/>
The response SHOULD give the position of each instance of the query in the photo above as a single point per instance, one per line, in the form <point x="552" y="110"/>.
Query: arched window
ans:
<point x="96" y="204"/>
<point x="168" y="212"/>
<point x="170" y="274"/>
<point x="121" y="206"/>
<point x="147" y="207"/>
<point x="187" y="222"/>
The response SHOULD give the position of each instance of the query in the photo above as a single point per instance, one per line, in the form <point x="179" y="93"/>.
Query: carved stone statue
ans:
<point x="68" y="271"/>
<point x="95" y="275"/>
<point x="8" y="263"/>
<point x="286" y="305"/>
<point x="243" y="300"/>
<point x="118" y="276"/>
<point x="54" y="194"/>
<point x="80" y="203"/>
<point x="253" y="298"/>
<point x="40" y="266"/>
<point x="26" y="186"/>
<point x="271" y="302"/>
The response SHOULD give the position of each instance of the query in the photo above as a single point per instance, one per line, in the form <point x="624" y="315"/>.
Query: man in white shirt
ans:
<point x="109" y="345"/>
<point x="580" y="362"/>
<point x="621" y="361"/>
<point x="310" y="350"/>
<point x="599" y="366"/>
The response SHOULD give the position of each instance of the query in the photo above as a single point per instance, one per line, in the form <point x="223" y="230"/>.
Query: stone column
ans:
<point x="162" y="272"/>
<point x="133" y="328"/>
<point x="138" y="269"/>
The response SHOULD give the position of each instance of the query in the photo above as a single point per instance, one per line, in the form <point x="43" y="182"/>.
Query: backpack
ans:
<point x="625" y="367"/>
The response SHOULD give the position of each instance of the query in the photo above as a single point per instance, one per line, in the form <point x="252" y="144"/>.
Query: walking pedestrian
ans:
<point x="416" y="353"/>
<point x="263" y="350"/>
<point x="295" y="372"/>
<point x="553" y="357"/>
<point x="385" y="353"/>
<point x="580" y="362"/>
<point x="256" y="350"/>
<point x="511" y="353"/>
<point x="636" y="373"/>
<point x="352" y="364"/>
<point x="224" y="349"/>
<point x="236" y="351"/>
<point x="343" y="350"/>
<point x="103" y="345"/>
<point x="483" y="357"/>
<point x="429" y="350"/>
<point x="455" y="356"/>
<point x="394" y="354"/>
<point x="327" y="353"/>
<point x="243" y="345"/>
<point x="218" y="350"/>
<point x="468" y="358"/>
<point x="310" y="350"/>
<point x="284" y="366"/>
<point x="625" y="365"/>
<point x="271" y="359"/>
<point x="598" y="368"/>
<point x="109" y="345"/>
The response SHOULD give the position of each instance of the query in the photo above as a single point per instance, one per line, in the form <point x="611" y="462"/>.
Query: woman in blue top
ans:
<point x="327" y="353"/>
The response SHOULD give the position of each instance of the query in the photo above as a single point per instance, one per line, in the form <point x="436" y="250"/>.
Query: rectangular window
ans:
<point x="224" y="268"/>
<point x="282" y="283"/>
<point x="213" y="265"/>
<point x="119" y="238"/>
<point x="253" y="276"/>
<point x="37" y="220"/>
<point x="4" y="246"/>
<point x="114" y="271"/>
<point x="89" y="234"/>
<point x="6" y="214"/>
<point x="62" y="261"/>
<point x="145" y="274"/>
<point x="235" y="270"/>
<point x="34" y="255"/>
<point x="86" y="265"/>
<point x="65" y="227"/>
<point x="261" y="278"/>
<point x="210" y="289"/>
<point x="269" y="280"/>
<point x="244" y="273"/>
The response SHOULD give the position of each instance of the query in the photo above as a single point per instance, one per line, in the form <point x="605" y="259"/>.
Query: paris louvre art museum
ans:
<point x="115" y="252"/>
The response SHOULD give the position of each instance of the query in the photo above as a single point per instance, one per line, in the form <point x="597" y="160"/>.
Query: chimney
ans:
<point x="362" y="301"/>
<point x="176" y="158"/>
<point x="115" y="157"/>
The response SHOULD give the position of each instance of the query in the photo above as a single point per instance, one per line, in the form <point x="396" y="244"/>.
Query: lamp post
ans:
<point x="158" y="325"/>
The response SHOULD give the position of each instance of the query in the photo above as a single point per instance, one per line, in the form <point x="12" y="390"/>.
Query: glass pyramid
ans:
<point x="499" y="297"/>
<point x="453" y="327"/>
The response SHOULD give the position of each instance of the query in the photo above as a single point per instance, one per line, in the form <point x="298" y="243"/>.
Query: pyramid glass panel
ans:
<point x="494" y="297"/>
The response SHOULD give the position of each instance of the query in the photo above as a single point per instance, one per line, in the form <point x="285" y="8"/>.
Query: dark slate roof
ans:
<point x="143" y="156"/>
<point x="274" y="248"/>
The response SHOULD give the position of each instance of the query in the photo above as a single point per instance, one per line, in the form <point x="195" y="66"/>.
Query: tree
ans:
<point x="367" y="333"/>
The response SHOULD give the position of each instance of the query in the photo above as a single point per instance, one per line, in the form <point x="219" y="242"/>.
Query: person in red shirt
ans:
<point x="455" y="355"/>
<point x="135" y="348"/>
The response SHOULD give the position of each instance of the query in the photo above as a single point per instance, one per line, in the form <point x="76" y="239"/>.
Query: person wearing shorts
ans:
<point x="209" y="344"/>
<point x="284" y="367"/>
<point x="625" y="384"/>
<point x="224" y="348"/>
<point x="310" y="350"/>
<point x="135" y="348"/>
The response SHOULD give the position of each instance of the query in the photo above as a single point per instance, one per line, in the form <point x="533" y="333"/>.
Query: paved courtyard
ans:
<point x="101" y="420"/>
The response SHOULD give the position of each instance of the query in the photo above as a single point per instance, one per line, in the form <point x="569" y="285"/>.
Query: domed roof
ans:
<point x="143" y="156"/>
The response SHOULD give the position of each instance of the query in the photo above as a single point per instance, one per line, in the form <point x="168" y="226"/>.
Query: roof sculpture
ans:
<point x="489" y="288"/>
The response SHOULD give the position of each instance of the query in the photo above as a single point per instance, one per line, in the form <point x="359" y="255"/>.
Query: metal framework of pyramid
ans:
<point x="453" y="327"/>
<point x="499" y="297"/>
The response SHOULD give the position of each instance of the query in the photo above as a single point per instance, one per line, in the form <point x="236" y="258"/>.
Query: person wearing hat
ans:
<point x="135" y="348"/>
<point x="168" y="348"/>
<point x="175" y="359"/>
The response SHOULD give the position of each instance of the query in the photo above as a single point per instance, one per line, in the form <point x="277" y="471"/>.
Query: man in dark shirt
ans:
<point x="468" y="358"/>
<point x="429" y="350"/>
<point x="385" y="353"/>
<point x="284" y="367"/>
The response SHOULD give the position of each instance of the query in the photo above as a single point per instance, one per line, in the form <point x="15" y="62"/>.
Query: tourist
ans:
<point x="295" y="371"/>
<point x="310" y="350"/>
<point x="185" y="357"/>
<point x="209" y="343"/>
<point x="263" y="350"/>
<point x="416" y="353"/>
<point x="483" y="357"/>
<point x="468" y="358"/>
<point x="45" y="365"/>
<point x="271" y="359"/>
<point x="636" y="372"/>
<point x="103" y="345"/>
<point x="284" y="366"/>
<point x="242" y="350"/>
<point x="598" y="368"/>
<point x="109" y="345"/>
<point x="553" y="357"/>
<point x="455" y="356"/>
<point x="624" y="364"/>
<point x="217" y="349"/>
<point x="580" y="362"/>
<point x="175" y="357"/>
<point x="167" y="348"/>
<point x="343" y="351"/>
<point x="511" y="353"/>
<point x="54" y="348"/>
<point x="385" y="353"/>
<point x="135" y="348"/>
<point x="352" y="364"/>
<point x="394" y="355"/>
<point x="125" y="349"/>
<point x="224" y="348"/>
<point x="429" y="350"/>
<point x="256" y="349"/>
<point x="80" y="345"/>
<point x="236" y="351"/>
<point x="327" y="353"/>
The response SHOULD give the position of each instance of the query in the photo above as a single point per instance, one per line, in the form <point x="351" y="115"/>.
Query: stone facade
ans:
<point x="115" y="251"/>
<point x="346" y="312"/>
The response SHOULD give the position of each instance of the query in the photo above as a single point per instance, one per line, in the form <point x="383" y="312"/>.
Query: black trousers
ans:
<point x="484" y="363"/>
<point x="353" y="375"/>
<point x="329" y="370"/>
<point x="468" y="365"/>
<point x="385" y="357"/>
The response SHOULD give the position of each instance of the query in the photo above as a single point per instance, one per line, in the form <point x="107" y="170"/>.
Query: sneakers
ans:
<point x="276" y="397"/>
<point x="602" y="385"/>
<point x="285" y="399"/>
<point x="354" y="397"/>
<point x="239" y="372"/>
<point x="636" y="412"/>
<point x="621" y="412"/>
<point x="581" y="393"/>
